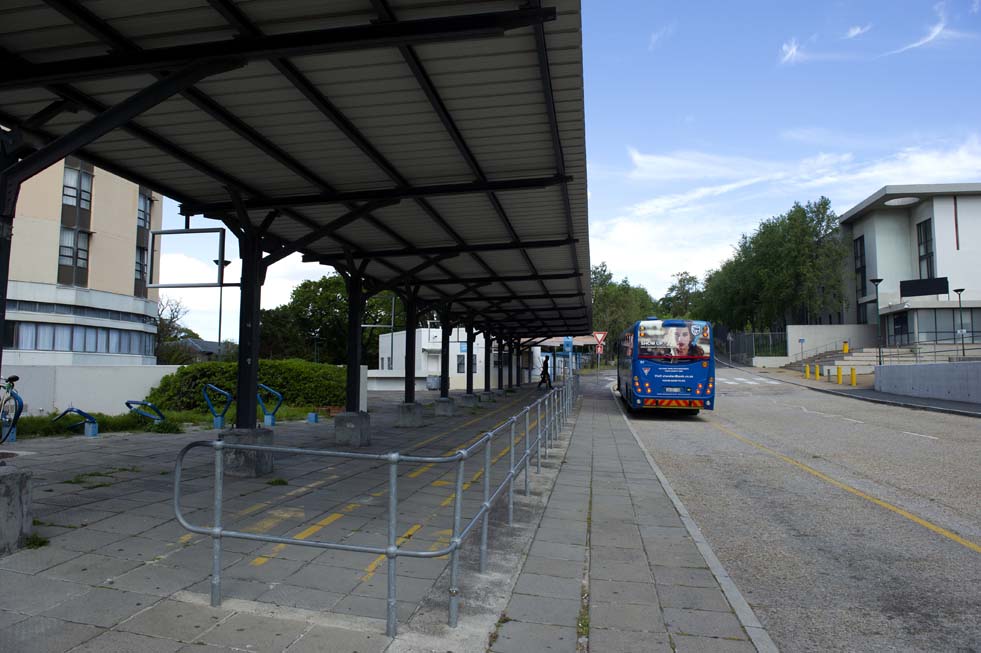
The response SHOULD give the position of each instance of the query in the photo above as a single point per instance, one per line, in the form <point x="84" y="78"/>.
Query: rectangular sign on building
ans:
<point x="917" y="287"/>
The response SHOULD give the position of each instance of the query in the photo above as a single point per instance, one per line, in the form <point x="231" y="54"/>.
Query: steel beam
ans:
<point x="446" y="330"/>
<point x="469" y="356"/>
<point x="500" y="279"/>
<point x="449" y="249"/>
<point x="321" y="41"/>
<point x="397" y="193"/>
<point x="411" y="319"/>
<point x="488" y="352"/>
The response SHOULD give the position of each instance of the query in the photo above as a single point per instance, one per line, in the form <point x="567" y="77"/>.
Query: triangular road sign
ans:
<point x="600" y="336"/>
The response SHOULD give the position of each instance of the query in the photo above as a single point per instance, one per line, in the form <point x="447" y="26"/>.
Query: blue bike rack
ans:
<point x="89" y="422"/>
<point x="136" y="406"/>
<point x="219" y="421"/>
<point x="12" y="435"/>
<point x="269" y="416"/>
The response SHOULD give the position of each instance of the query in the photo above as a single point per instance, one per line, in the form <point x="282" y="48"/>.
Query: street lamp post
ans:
<point x="960" y="309"/>
<point x="878" y="321"/>
<point x="224" y="264"/>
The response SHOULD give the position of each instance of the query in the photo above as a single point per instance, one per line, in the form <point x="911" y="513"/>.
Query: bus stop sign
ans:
<point x="567" y="344"/>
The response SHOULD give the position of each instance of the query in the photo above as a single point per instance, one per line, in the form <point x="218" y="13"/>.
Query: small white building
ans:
<point x="390" y="374"/>
<point x="917" y="232"/>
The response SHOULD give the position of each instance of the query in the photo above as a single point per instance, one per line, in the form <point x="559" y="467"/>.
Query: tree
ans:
<point x="170" y="330"/>
<point x="681" y="295"/>
<point x="617" y="305"/>
<point x="790" y="269"/>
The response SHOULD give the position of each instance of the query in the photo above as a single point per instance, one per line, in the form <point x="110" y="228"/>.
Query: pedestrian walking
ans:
<point x="545" y="378"/>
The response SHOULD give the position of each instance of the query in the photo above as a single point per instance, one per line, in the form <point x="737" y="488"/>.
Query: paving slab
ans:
<point x="120" y="642"/>
<point x="102" y="607"/>
<point x="175" y="620"/>
<point x="523" y="637"/>
<point x="253" y="632"/>
<point x="44" y="635"/>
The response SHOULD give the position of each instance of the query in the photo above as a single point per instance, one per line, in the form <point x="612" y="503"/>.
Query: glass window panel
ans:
<point x="102" y="346"/>
<point x="45" y="337"/>
<point x="114" y="341"/>
<point x="70" y="191"/>
<point x="78" y="338"/>
<point x="26" y="335"/>
<point x="63" y="337"/>
<point x="945" y="323"/>
<point x="66" y="247"/>
<point x="91" y="335"/>
<point x="85" y="195"/>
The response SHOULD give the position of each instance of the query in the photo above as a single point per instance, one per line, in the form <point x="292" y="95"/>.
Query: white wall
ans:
<point x="103" y="388"/>
<point x="824" y="337"/>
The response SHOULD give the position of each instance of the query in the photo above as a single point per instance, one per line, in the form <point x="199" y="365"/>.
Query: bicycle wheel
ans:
<point x="7" y="408"/>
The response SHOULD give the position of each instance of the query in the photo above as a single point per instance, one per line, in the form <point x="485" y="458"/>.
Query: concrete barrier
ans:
<point x="952" y="381"/>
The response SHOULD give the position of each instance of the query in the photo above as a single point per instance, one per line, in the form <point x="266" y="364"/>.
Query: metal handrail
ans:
<point x="556" y="405"/>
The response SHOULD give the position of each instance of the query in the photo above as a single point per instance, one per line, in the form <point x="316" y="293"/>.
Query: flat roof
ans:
<point x="877" y="201"/>
<point x="439" y="143"/>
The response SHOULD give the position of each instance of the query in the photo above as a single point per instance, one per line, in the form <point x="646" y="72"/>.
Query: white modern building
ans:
<point x="78" y="292"/>
<point x="915" y="234"/>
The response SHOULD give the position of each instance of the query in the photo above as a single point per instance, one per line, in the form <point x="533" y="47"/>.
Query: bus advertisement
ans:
<point x="667" y="364"/>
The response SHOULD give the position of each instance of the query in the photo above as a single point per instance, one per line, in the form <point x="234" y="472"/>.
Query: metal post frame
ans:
<point x="444" y="354"/>
<point x="216" y="527"/>
<point x="469" y="356"/>
<point x="355" y="311"/>
<point x="154" y="233"/>
<point x="411" y="320"/>
<point x="248" y="329"/>
<point x="510" y="342"/>
<point x="488" y="352"/>
<point x="500" y="361"/>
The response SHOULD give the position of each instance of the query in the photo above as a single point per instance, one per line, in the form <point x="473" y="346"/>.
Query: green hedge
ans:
<point x="302" y="383"/>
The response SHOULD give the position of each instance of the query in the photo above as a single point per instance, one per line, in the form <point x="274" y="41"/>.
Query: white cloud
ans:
<point x="857" y="30"/>
<point x="694" y="225"/>
<point x="660" y="35"/>
<point x="939" y="31"/>
<point x="687" y="164"/>
<point x="790" y="52"/>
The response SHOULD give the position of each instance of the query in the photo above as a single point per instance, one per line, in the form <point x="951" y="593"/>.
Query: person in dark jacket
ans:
<point x="545" y="378"/>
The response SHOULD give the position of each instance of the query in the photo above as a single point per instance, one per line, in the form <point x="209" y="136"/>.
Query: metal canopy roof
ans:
<point x="441" y="141"/>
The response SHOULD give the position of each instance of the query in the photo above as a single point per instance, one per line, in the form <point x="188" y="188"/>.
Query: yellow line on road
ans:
<point x="373" y="567"/>
<point x="848" y="488"/>
<point x="302" y="535"/>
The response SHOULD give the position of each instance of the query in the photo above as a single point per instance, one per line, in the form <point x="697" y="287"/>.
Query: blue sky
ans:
<point x="704" y="118"/>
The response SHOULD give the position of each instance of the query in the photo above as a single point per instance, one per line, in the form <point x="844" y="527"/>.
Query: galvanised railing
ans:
<point x="552" y="411"/>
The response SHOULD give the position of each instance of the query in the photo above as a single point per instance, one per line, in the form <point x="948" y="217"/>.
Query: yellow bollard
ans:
<point x="844" y="347"/>
<point x="817" y="372"/>
<point x="854" y="380"/>
<point x="807" y="371"/>
<point x="838" y="374"/>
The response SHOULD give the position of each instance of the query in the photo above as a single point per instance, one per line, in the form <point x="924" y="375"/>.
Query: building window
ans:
<point x="461" y="363"/>
<point x="141" y="262"/>
<point x="860" y="282"/>
<point x="924" y="241"/>
<point x="76" y="221"/>
<point x="143" y="209"/>
<point x="77" y="338"/>
<point x="73" y="257"/>
<point x="77" y="189"/>
<point x="863" y="313"/>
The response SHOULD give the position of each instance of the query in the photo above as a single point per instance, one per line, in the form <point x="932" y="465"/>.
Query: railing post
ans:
<point x="511" y="474"/>
<point x="527" y="448"/>
<point x="484" y="522"/>
<point x="454" y="590"/>
<point x="391" y="614"/>
<point x="219" y="447"/>
<point x="538" y="440"/>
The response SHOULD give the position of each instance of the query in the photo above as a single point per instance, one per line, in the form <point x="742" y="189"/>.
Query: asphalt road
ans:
<point x="847" y="525"/>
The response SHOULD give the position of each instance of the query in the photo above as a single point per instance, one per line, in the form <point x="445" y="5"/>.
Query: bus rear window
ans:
<point x="674" y="344"/>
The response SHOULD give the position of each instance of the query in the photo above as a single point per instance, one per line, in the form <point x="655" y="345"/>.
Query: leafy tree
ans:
<point x="170" y="330"/>
<point x="789" y="270"/>
<point x="617" y="305"/>
<point x="681" y="295"/>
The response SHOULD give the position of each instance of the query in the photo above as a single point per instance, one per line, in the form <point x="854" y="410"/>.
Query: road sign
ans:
<point x="599" y="349"/>
<point x="567" y="344"/>
<point x="600" y="337"/>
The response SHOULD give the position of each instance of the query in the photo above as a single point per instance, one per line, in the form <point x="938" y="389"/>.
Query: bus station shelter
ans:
<point x="433" y="149"/>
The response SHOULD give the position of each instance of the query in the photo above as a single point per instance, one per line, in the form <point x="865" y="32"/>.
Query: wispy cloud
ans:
<point x="857" y="30"/>
<point x="712" y="198"/>
<point x="939" y="31"/>
<point x="660" y="35"/>
<point x="975" y="6"/>
<point x="790" y="52"/>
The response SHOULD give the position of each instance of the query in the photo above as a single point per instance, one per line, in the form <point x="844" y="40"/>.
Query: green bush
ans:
<point x="302" y="383"/>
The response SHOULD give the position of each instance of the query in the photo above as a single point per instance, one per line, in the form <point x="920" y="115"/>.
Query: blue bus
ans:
<point x="667" y="364"/>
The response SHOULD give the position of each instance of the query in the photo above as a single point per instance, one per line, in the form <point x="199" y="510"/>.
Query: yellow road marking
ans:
<point x="419" y="445"/>
<point x="373" y="567"/>
<point x="302" y="535"/>
<point x="847" y="488"/>
<point x="275" y="517"/>
<point x="184" y="539"/>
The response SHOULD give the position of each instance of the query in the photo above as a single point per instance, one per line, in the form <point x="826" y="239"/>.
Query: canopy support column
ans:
<point x="445" y="405"/>
<point x="353" y="426"/>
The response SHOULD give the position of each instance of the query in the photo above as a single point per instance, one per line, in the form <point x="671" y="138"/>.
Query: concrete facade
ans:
<point x="952" y="381"/>
<point x="106" y="315"/>
<point x="892" y="253"/>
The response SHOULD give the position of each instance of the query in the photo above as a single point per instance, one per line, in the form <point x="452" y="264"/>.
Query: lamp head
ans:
<point x="875" y="282"/>
<point x="958" y="290"/>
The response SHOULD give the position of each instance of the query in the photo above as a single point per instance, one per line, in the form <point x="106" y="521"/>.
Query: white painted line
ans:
<point x="920" y="435"/>
<point x="758" y="635"/>
<point x="849" y="419"/>
<point x="728" y="382"/>
<point x="774" y="382"/>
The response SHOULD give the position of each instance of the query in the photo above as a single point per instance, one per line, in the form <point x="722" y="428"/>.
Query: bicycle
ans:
<point x="11" y="406"/>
